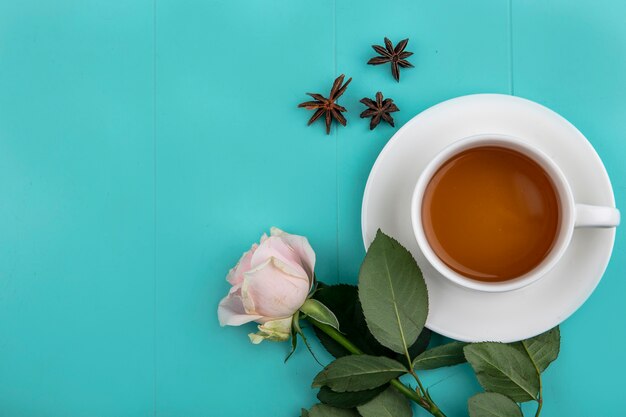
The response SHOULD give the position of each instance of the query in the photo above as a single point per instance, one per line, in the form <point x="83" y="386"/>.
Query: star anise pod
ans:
<point x="396" y="56"/>
<point x="378" y="109"/>
<point x="328" y="106"/>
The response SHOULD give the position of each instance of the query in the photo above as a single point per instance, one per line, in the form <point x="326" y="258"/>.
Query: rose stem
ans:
<point x="423" y="401"/>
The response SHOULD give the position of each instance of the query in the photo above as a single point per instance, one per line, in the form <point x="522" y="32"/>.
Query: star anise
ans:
<point x="378" y="109"/>
<point x="328" y="106"/>
<point x="396" y="56"/>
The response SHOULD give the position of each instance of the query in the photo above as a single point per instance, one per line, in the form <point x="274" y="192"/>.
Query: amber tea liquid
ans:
<point x="491" y="213"/>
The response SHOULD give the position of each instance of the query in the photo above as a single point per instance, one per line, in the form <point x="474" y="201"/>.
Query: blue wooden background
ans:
<point x="145" y="144"/>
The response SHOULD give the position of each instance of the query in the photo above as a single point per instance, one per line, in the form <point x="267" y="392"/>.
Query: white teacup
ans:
<point x="572" y="215"/>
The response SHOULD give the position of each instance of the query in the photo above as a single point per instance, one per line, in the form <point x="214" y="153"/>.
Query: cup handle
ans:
<point x="596" y="216"/>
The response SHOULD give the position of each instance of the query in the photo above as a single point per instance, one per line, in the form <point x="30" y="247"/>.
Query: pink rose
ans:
<point x="269" y="284"/>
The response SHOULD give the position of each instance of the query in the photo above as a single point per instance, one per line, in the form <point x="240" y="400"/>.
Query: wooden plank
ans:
<point x="234" y="157"/>
<point x="569" y="56"/>
<point x="459" y="48"/>
<point x="76" y="208"/>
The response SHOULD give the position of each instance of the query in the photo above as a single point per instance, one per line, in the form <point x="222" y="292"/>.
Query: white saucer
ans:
<point x="469" y="315"/>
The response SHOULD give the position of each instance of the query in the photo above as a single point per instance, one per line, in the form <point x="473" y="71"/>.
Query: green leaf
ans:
<point x="304" y="413"/>
<point x="420" y="345"/>
<point x="358" y="372"/>
<point x="440" y="356"/>
<point x="319" y="312"/>
<point x="503" y="369"/>
<point x="543" y="349"/>
<point x="393" y="294"/>
<point x="348" y="399"/>
<point x="323" y="410"/>
<point x="340" y="299"/>
<point x="492" y="404"/>
<point x="388" y="404"/>
<point x="344" y="302"/>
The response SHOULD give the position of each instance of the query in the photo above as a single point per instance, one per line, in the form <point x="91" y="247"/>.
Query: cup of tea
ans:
<point x="492" y="213"/>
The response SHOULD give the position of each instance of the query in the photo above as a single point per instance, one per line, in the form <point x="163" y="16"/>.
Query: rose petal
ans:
<point x="274" y="330"/>
<point x="235" y="289"/>
<point x="235" y="275"/>
<point x="276" y="247"/>
<point x="231" y="312"/>
<point x="272" y="291"/>
<point x="301" y="246"/>
<point x="256" y="338"/>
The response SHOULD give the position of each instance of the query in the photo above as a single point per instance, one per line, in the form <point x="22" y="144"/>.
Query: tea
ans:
<point x="491" y="213"/>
